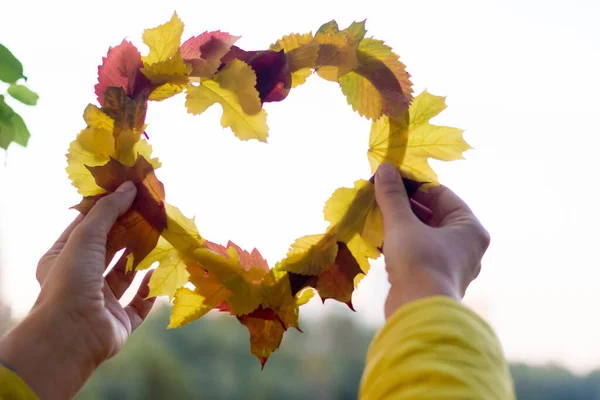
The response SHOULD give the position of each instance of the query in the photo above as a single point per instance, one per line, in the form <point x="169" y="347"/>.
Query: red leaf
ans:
<point x="273" y="76"/>
<point x="121" y="68"/>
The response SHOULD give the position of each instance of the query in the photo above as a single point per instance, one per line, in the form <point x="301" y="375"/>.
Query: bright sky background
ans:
<point x="522" y="78"/>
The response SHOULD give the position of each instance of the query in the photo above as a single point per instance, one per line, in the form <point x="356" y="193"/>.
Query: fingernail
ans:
<point x="387" y="173"/>
<point x="126" y="187"/>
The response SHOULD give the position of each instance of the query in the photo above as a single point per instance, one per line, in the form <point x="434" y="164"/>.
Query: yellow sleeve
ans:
<point x="12" y="387"/>
<point x="436" y="348"/>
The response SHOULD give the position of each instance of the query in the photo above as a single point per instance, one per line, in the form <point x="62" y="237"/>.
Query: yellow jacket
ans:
<point x="433" y="348"/>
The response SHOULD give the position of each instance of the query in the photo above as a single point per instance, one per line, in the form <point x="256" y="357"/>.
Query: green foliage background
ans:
<point x="12" y="126"/>
<point x="210" y="359"/>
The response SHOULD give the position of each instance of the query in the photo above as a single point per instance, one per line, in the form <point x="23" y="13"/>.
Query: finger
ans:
<point x="140" y="306"/>
<point x="392" y="198"/>
<point x="105" y="212"/>
<point x="62" y="239"/>
<point x="444" y="204"/>
<point x="47" y="260"/>
<point x="118" y="279"/>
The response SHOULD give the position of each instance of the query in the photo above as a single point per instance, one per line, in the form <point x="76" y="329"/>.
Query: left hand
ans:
<point x="77" y="321"/>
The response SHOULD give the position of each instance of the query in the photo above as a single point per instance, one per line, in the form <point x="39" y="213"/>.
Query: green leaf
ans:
<point x="23" y="94"/>
<point x="21" y="132"/>
<point x="7" y="130"/>
<point x="11" y="69"/>
<point x="12" y="127"/>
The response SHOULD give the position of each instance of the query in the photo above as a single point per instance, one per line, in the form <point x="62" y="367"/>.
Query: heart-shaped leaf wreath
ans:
<point x="210" y="69"/>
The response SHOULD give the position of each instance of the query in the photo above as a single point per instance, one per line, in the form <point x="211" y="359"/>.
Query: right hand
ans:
<point x="438" y="258"/>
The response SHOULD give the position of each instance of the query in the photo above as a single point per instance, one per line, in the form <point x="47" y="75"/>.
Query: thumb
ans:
<point x="105" y="212"/>
<point x="391" y="196"/>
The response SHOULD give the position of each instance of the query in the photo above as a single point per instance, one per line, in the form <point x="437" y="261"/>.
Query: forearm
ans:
<point x="43" y="350"/>
<point x="436" y="348"/>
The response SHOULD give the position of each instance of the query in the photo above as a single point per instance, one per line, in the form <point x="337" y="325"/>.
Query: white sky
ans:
<point x="522" y="78"/>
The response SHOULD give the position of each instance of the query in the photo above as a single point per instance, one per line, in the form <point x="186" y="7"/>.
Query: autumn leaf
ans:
<point x="273" y="77"/>
<point x="266" y="332"/>
<point x="338" y="49"/>
<point x="357" y="221"/>
<point x="310" y="254"/>
<point x="387" y="141"/>
<point x="380" y="84"/>
<point x="204" y="52"/>
<point x="121" y="68"/>
<point x="241" y="77"/>
<point x="189" y="305"/>
<point x="181" y="231"/>
<point x="302" y="52"/>
<point x="163" y="65"/>
<point x="170" y="274"/>
<point x="336" y="281"/>
<point x="410" y="148"/>
<point x="139" y="228"/>
<point x="95" y="145"/>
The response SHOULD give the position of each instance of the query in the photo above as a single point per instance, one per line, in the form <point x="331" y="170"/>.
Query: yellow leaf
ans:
<point x="362" y="249"/>
<point x="380" y="84"/>
<point x="304" y="296"/>
<point x="240" y="78"/>
<point x="243" y="125"/>
<point x="354" y="215"/>
<point x="94" y="146"/>
<point x="302" y="52"/>
<point x="429" y="141"/>
<point x="181" y="231"/>
<point x="387" y="141"/>
<point x="163" y="41"/>
<point x="310" y="255"/>
<point x="338" y="49"/>
<point x="190" y="305"/>
<point x="277" y="295"/>
<point x="171" y="273"/>
<point x="163" y="65"/>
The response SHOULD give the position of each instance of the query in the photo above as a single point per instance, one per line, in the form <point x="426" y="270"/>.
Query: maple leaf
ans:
<point x="311" y="254"/>
<point x="163" y="65"/>
<point x="215" y="289"/>
<point x="266" y="332"/>
<point x="387" y="141"/>
<point x="338" y="49"/>
<point x="139" y="228"/>
<point x="302" y="52"/>
<point x="238" y="76"/>
<point x="273" y="77"/>
<point x="336" y="281"/>
<point x="96" y="144"/>
<point x="380" y="84"/>
<point x="409" y="148"/>
<point x="170" y="274"/>
<point x="121" y="68"/>
<point x="204" y="52"/>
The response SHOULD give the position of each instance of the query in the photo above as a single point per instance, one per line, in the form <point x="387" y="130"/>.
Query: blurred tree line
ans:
<point x="210" y="359"/>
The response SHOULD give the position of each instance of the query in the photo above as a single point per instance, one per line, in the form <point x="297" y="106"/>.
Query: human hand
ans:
<point x="440" y="256"/>
<point x="77" y="321"/>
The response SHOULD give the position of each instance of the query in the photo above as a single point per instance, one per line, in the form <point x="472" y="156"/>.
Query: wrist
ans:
<point x="419" y="285"/>
<point x="45" y="351"/>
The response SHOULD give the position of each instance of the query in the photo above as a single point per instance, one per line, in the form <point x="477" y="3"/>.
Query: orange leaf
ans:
<point x="266" y="331"/>
<point x="138" y="229"/>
